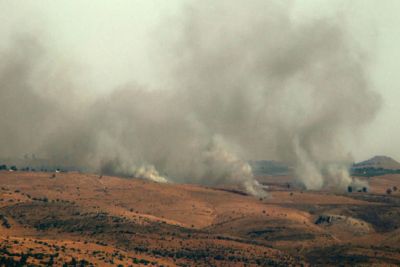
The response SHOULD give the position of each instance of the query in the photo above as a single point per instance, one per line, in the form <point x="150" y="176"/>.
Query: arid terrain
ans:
<point x="75" y="219"/>
<point x="199" y="133"/>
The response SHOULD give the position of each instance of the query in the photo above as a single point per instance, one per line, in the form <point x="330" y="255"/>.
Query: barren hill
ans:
<point x="101" y="220"/>
<point x="383" y="162"/>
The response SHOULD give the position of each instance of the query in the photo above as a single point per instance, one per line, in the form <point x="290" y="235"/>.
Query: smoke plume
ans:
<point x="244" y="82"/>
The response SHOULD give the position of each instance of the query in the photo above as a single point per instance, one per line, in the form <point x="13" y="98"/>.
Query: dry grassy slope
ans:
<point x="380" y="184"/>
<point x="63" y="251"/>
<point x="181" y="224"/>
<point x="71" y="206"/>
<point x="185" y="205"/>
<point x="176" y="204"/>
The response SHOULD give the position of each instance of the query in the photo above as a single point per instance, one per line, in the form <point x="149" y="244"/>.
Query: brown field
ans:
<point x="84" y="219"/>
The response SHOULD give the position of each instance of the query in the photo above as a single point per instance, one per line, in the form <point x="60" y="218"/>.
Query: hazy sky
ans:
<point x="114" y="42"/>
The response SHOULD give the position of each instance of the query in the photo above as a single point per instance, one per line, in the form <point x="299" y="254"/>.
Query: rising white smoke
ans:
<point x="149" y="172"/>
<point x="244" y="82"/>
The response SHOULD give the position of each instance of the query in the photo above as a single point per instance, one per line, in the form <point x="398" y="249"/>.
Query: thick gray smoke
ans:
<point x="245" y="82"/>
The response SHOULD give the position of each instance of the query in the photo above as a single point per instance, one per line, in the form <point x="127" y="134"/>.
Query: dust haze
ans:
<point x="244" y="82"/>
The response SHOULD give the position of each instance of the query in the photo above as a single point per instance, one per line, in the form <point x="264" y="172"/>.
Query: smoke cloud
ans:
<point x="244" y="82"/>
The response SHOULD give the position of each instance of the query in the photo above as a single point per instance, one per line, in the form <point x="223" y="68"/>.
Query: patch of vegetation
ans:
<point x="4" y="222"/>
<point x="371" y="171"/>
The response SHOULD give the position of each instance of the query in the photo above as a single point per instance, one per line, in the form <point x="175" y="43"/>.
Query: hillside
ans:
<point x="377" y="162"/>
<point x="376" y="166"/>
<point x="86" y="219"/>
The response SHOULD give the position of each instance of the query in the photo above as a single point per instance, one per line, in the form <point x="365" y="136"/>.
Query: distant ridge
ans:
<point x="377" y="162"/>
<point x="269" y="167"/>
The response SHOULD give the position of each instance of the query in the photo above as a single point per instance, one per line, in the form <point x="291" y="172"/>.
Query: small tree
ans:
<point x="388" y="191"/>
<point x="13" y="168"/>
<point x="364" y="189"/>
<point x="349" y="189"/>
